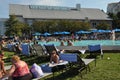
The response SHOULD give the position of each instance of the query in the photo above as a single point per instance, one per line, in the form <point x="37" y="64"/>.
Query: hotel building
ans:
<point x="31" y="13"/>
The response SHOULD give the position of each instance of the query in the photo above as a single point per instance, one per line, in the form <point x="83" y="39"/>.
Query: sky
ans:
<point x="100" y="4"/>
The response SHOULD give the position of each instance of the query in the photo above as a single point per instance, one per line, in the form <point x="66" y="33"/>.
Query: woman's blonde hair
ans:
<point x="15" y="58"/>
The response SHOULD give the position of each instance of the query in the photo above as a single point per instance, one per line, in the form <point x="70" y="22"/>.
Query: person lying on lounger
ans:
<point x="54" y="57"/>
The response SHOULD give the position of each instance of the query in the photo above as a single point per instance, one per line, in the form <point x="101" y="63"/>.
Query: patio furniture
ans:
<point x="10" y="47"/>
<point x="53" y="67"/>
<point x="25" y="49"/>
<point x="50" y="48"/>
<point x="95" y="50"/>
<point x="37" y="49"/>
<point x="76" y="61"/>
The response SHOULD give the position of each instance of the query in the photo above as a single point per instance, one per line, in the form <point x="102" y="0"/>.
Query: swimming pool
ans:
<point x="86" y="42"/>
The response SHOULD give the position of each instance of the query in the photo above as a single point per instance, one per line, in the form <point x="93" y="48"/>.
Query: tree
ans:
<point x="60" y="25"/>
<point x="116" y="20"/>
<point x="118" y="15"/>
<point x="9" y="24"/>
<point x="14" y="27"/>
<point x="103" y="26"/>
<point x="113" y="16"/>
<point x="116" y="24"/>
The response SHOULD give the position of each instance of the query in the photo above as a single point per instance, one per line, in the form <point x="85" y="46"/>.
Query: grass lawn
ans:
<point x="106" y="69"/>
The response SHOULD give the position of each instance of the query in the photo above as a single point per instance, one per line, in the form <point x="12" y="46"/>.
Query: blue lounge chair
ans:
<point x="25" y="49"/>
<point x="77" y="61"/>
<point x="95" y="50"/>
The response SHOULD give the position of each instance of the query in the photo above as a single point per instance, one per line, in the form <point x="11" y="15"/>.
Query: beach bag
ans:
<point x="36" y="71"/>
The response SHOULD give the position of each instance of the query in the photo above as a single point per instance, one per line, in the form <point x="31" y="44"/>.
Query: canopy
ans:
<point x="101" y="31"/>
<point x="46" y="34"/>
<point x="83" y="32"/>
<point x="116" y="30"/>
<point x="63" y="32"/>
<point x="36" y="34"/>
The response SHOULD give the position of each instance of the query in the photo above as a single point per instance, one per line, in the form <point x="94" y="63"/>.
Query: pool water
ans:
<point x="85" y="42"/>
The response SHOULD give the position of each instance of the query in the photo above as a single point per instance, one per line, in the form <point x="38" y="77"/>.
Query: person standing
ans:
<point x="113" y="35"/>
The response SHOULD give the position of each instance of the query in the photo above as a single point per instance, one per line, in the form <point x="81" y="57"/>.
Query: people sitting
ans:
<point x="54" y="57"/>
<point x="62" y="43"/>
<point x="3" y="44"/>
<point x="2" y="68"/>
<point x="69" y="43"/>
<point x="19" y="70"/>
<point x="18" y="49"/>
<point x="1" y="53"/>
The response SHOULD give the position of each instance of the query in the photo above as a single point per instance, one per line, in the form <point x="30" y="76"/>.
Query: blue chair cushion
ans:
<point x="25" y="49"/>
<point x="94" y="47"/>
<point x="46" y="68"/>
<point x="69" y="57"/>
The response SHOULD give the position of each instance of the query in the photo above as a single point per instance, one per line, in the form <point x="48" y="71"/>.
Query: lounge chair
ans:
<point x="37" y="49"/>
<point x="95" y="50"/>
<point x="50" y="48"/>
<point x="25" y="49"/>
<point x="77" y="61"/>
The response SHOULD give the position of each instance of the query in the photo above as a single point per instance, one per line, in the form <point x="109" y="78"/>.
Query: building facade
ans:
<point x="2" y="26"/>
<point x="31" y="13"/>
<point x="113" y="8"/>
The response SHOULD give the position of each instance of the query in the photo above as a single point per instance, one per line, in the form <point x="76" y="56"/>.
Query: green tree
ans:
<point x="14" y="27"/>
<point x="116" y="24"/>
<point x="9" y="24"/>
<point x="39" y="26"/>
<point x="103" y="26"/>
<point x="113" y="16"/>
<point x="116" y="20"/>
<point x="118" y="15"/>
<point x="59" y="25"/>
<point x="26" y="29"/>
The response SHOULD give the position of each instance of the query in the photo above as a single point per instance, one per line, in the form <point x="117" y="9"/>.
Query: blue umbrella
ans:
<point x="36" y="34"/>
<point x="100" y="31"/>
<point x="104" y="31"/>
<point x="65" y="32"/>
<point x="116" y="30"/>
<point x="56" y="33"/>
<point x="83" y="32"/>
<point x="94" y="30"/>
<point x="107" y="31"/>
<point x="46" y="34"/>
